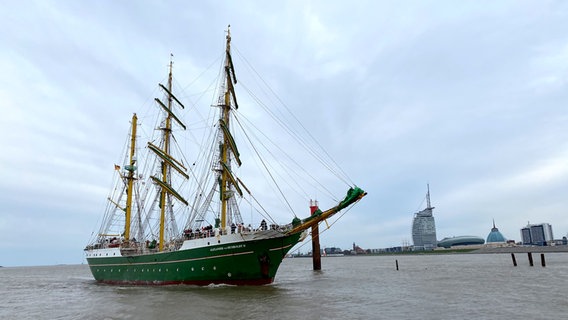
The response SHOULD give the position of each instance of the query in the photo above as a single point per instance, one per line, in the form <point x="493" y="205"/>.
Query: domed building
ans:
<point x="495" y="236"/>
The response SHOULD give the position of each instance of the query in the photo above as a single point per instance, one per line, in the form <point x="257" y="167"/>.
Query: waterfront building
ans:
<point x="332" y="252"/>
<point x="537" y="234"/>
<point x="424" y="227"/>
<point x="460" y="241"/>
<point x="526" y="236"/>
<point x="495" y="236"/>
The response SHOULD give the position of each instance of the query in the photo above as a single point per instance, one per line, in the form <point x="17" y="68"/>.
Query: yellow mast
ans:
<point x="167" y="161"/>
<point x="129" y="191"/>
<point x="226" y="107"/>
<point x="167" y="131"/>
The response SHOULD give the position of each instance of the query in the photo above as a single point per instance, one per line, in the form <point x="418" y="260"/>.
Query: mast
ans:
<point x="167" y="161"/>
<point x="167" y="133"/>
<point x="228" y="145"/>
<point x="130" y="180"/>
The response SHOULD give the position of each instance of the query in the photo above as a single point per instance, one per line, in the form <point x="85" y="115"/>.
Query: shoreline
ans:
<point x="476" y="250"/>
<point x="533" y="249"/>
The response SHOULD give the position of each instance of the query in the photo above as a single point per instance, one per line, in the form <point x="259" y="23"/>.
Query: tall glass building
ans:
<point x="424" y="228"/>
<point x="537" y="234"/>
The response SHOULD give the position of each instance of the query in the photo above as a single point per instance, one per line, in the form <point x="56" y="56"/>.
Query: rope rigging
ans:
<point x="288" y="156"/>
<point x="339" y="173"/>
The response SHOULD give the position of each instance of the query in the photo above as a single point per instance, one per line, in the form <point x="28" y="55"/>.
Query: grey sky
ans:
<point x="468" y="96"/>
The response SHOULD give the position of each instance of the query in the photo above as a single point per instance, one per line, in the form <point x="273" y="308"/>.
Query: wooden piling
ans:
<point x="542" y="262"/>
<point x="316" y="251"/>
<point x="530" y="259"/>
<point x="514" y="260"/>
<point x="396" y="261"/>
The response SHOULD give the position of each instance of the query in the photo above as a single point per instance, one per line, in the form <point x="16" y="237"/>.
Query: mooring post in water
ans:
<point x="542" y="262"/>
<point x="530" y="259"/>
<point x="514" y="260"/>
<point x="316" y="253"/>
<point x="396" y="261"/>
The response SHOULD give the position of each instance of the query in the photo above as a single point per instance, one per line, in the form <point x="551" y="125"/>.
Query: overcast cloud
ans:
<point x="468" y="96"/>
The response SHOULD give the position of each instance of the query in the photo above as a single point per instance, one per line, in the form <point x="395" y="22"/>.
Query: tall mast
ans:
<point x="167" y="161"/>
<point x="228" y="184"/>
<point x="225" y="111"/>
<point x="130" y="178"/>
<point x="165" y="170"/>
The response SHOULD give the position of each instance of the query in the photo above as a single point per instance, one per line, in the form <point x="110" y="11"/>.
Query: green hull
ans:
<point x="253" y="262"/>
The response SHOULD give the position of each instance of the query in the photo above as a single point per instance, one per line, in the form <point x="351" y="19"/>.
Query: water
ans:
<point x="457" y="286"/>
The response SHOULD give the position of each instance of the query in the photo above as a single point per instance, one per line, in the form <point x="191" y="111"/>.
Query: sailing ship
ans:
<point x="140" y="241"/>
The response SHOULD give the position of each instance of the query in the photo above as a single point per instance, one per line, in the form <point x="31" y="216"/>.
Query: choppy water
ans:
<point x="425" y="287"/>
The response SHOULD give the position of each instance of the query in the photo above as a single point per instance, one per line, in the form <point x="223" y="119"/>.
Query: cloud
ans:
<point x="468" y="97"/>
